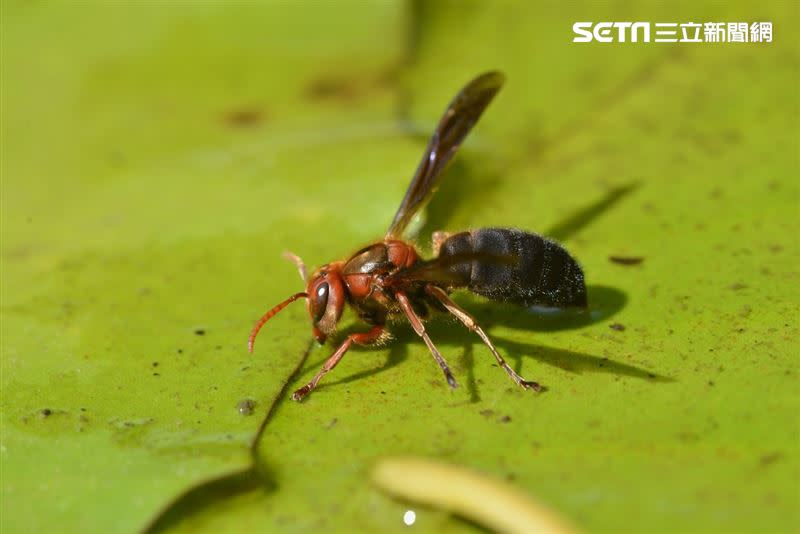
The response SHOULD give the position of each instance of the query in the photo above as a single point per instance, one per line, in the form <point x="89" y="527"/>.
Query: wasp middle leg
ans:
<point x="419" y="328"/>
<point x="468" y="321"/>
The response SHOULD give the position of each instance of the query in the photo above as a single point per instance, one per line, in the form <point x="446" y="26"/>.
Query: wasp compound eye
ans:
<point x="320" y="301"/>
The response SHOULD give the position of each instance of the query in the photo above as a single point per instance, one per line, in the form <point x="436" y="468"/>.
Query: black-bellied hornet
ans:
<point x="389" y="279"/>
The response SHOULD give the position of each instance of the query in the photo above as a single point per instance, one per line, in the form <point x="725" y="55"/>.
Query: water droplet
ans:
<point x="409" y="517"/>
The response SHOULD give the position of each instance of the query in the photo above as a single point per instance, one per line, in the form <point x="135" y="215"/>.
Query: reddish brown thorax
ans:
<point x="357" y="281"/>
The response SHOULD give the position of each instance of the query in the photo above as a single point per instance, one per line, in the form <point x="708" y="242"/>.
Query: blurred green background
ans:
<point x="156" y="159"/>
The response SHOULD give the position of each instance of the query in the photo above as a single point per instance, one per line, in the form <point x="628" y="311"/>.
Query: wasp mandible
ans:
<point x="389" y="279"/>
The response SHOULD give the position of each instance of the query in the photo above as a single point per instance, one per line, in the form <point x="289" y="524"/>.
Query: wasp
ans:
<point x="389" y="279"/>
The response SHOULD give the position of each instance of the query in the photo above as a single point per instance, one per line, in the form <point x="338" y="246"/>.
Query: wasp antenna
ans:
<point x="301" y="267"/>
<point x="267" y="316"/>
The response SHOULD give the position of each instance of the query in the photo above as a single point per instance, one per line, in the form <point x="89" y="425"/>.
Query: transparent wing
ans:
<point x="459" y="118"/>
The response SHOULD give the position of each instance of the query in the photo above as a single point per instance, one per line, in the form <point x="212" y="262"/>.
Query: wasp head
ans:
<point x="326" y="298"/>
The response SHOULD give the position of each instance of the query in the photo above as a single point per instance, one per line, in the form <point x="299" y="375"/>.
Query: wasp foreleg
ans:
<point x="362" y="338"/>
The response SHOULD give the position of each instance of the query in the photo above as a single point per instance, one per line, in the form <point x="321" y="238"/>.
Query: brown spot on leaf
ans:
<point x="731" y="136"/>
<point x="243" y="118"/>
<point x="626" y="260"/>
<point x="770" y="458"/>
<point x="351" y="88"/>
<point x="341" y="89"/>
<point x="688" y="436"/>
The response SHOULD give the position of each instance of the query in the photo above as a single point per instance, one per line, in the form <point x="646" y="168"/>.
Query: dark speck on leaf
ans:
<point x="116" y="159"/>
<point x="180" y="351"/>
<point x="617" y="326"/>
<point x="770" y="458"/>
<point x="332" y="89"/>
<point x="246" y="406"/>
<point x="243" y="118"/>
<point x="737" y="286"/>
<point x="155" y="364"/>
<point x="47" y="412"/>
<point x="200" y="332"/>
<point x="505" y="419"/>
<point x="626" y="260"/>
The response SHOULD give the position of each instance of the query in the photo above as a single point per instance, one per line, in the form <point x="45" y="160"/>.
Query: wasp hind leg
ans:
<point x="468" y="321"/>
<point x="437" y="239"/>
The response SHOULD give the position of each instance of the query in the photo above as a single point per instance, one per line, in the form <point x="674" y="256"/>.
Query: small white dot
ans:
<point x="409" y="517"/>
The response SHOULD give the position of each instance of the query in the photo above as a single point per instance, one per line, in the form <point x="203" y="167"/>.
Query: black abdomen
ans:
<point x="515" y="266"/>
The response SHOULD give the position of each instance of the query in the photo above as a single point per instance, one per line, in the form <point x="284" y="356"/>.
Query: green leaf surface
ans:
<point x="156" y="160"/>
